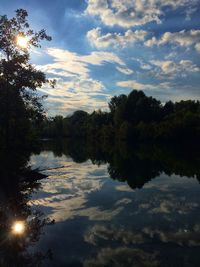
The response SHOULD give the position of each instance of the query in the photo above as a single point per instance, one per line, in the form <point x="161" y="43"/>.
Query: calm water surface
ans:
<point x="99" y="221"/>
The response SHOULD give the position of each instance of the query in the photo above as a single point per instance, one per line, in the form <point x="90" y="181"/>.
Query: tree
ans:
<point x="142" y="108"/>
<point x="20" y="106"/>
<point x="116" y="102"/>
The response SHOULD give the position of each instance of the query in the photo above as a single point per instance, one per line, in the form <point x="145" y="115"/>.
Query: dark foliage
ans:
<point x="133" y="118"/>
<point x="17" y="184"/>
<point x="20" y="106"/>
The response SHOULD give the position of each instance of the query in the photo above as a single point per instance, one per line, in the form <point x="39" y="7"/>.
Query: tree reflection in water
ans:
<point x="17" y="183"/>
<point x="134" y="165"/>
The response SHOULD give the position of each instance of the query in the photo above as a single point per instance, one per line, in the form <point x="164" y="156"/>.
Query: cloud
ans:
<point x="167" y="206"/>
<point x="77" y="93"/>
<point x="118" y="234"/>
<point x="189" y="12"/>
<point x="125" y="71"/>
<point x="123" y="256"/>
<point x="75" y="88"/>
<point x="145" y="66"/>
<point x="98" y="40"/>
<point x="171" y="55"/>
<point x="197" y="47"/>
<point x="172" y="69"/>
<point x="168" y="89"/>
<point x="129" y="13"/>
<point x="99" y="58"/>
<point x="132" y="84"/>
<point x="181" y="236"/>
<point x="183" y="38"/>
<point x="67" y="189"/>
<point x="69" y="64"/>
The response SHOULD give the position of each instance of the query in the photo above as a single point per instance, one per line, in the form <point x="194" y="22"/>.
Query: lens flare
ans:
<point x="22" y="41"/>
<point x="18" y="228"/>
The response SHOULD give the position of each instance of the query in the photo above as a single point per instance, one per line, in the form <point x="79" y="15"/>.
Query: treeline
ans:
<point x="135" y="117"/>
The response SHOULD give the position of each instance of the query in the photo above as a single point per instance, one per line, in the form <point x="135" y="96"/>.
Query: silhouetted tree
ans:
<point x="142" y="108"/>
<point x="20" y="107"/>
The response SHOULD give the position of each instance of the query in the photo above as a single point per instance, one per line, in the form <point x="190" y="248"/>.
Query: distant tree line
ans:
<point x="131" y="118"/>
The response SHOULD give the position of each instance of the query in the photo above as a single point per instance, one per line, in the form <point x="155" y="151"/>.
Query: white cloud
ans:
<point x="197" y="47"/>
<point x="115" y="39"/>
<point x="75" y="88"/>
<point x="75" y="94"/>
<point x="126" y="71"/>
<point x="183" y="38"/>
<point x="145" y="66"/>
<point x="99" y="58"/>
<point x="172" y="69"/>
<point x="69" y="64"/>
<point x="128" y="13"/>
<point x="132" y="84"/>
<point x="122" y="13"/>
<point x="171" y="55"/>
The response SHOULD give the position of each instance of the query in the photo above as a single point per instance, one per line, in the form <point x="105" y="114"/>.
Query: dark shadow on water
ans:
<point x="17" y="183"/>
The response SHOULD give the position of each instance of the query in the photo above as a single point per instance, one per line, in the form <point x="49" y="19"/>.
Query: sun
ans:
<point x="22" y="41"/>
<point x="18" y="227"/>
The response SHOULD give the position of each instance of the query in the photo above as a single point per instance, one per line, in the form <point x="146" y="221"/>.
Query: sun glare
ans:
<point x="22" y="41"/>
<point x="18" y="228"/>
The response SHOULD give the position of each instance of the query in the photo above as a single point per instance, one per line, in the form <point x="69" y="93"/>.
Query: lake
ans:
<point x="125" y="209"/>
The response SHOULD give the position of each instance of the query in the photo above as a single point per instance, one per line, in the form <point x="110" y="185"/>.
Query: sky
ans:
<point x="102" y="48"/>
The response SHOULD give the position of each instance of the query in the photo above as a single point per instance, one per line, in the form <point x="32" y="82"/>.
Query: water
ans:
<point x="122" y="211"/>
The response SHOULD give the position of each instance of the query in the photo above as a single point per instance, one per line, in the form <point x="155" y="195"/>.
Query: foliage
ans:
<point x="133" y="118"/>
<point x="20" y="105"/>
